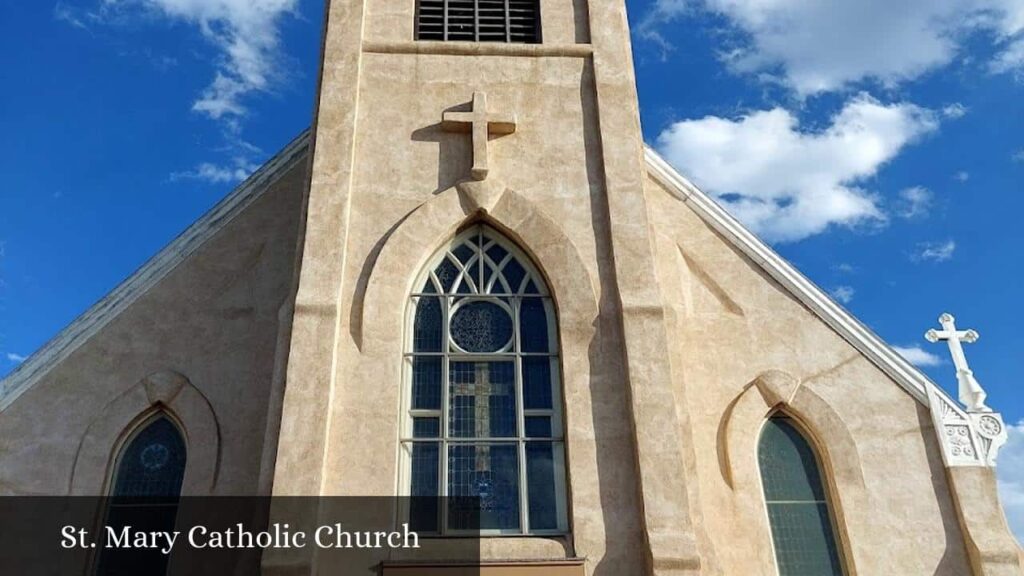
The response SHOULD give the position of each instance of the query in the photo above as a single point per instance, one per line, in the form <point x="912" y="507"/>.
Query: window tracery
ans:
<point x="483" y="413"/>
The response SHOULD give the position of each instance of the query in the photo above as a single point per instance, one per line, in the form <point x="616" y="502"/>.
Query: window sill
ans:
<point x="507" y="549"/>
<point x="480" y="49"/>
<point x="566" y="567"/>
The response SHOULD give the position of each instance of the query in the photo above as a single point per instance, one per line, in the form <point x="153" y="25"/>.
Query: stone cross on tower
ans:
<point x="481" y="124"/>
<point x="971" y="393"/>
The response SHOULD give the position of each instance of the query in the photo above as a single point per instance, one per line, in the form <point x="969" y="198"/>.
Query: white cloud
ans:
<point x="662" y="10"/>
<point x="79" y="19"/>
<point x="825" y="46"/>
<point x="844" y="268"/>
<point x="787" y="183"/>
<point x="914" y="202"/>
<point x="218" y="174"/>
<point x="1010" y="59"/>
<point x="917" y="355"/>
<point x="16" y="358"/>
<point x="843" y="294"/>
<point x="954" y="111"/>
<point x="1010" y="472"/>
<point x="934" y="251"/>
<point x="1018" y="156"/>
<point x="962" y="176"/>
<point x="246" y="32"/>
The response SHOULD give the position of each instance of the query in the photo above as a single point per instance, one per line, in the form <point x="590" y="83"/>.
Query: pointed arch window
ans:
<point x="799" y="512"/>
<point x="145" y="492"/>
<point x="483" y="409"/>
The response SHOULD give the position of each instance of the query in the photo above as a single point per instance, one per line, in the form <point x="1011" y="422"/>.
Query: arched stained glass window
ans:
<point x="483" y="404"/>
<point x="152" y="465"/>
<point x="145" y="492"/>
<point x="798" y="508"/>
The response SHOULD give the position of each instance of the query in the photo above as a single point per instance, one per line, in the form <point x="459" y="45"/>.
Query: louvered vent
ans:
<point x="479" y="20"/>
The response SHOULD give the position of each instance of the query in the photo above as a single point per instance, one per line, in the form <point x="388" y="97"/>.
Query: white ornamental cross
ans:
<point x="971" y="394"/>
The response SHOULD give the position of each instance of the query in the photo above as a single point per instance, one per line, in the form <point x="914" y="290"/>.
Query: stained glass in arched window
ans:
<point x="798" y="508"/>
<point x="483" y="405"/>
<point x="153" y="463"/>
<point x="145" y="492"/>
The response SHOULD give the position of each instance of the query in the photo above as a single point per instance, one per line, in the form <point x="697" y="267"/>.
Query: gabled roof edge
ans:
<point x="155" y="269"/>
<point x="159" y="266"/>
<point x="843" y="322"/>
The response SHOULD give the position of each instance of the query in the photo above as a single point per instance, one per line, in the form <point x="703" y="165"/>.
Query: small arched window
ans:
<point x="144" y="494"/>
<point x="152" y="464"/>
<point x="483" y="407"/>
<point x="478" y="20"/>
<point x="799" y="513"/>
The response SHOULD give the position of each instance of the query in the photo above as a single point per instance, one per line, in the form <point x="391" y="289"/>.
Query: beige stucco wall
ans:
<point x="730" y="323"/>
<point x="405" y="169"/>
<point x="661" y="405"/>
<point x="206" y="333"/>
<point x="382" y="200"/>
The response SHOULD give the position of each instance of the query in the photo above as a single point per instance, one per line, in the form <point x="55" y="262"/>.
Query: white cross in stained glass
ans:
<point x="481" y="388"/>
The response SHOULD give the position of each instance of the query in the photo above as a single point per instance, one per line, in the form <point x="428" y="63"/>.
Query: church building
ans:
<point x="472" y="278"/>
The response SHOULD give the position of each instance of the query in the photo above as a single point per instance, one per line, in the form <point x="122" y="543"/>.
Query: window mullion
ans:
<point x="476" y="20"/>
<point x="444" y="22"/>
<point x="480" y="258"/>
<point x="443" y="453"/>
<point x="508" y="22"/>
<point x="524" y="512"/>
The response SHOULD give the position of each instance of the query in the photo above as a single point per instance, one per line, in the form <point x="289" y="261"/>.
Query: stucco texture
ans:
<point x="743" y="348"/>
<point x="278" y="347"/>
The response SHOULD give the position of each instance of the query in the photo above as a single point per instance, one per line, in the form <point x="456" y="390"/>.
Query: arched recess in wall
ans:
<point x="164" y="392"/>
<point x="150" y="465"/>
<point x="771" y="392"/>
<point x="388" y="275"/>
<point x="484" y="344"/>
<point x="774" y="392"/>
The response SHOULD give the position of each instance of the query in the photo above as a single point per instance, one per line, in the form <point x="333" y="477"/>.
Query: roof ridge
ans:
<point x="152" y="271"/>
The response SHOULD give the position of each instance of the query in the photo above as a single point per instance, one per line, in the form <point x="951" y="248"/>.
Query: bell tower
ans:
<point x="433" y="114"/>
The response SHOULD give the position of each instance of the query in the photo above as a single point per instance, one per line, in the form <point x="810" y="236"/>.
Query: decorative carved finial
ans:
<point x="971" y="393"/>
<point x="481" y="124"/>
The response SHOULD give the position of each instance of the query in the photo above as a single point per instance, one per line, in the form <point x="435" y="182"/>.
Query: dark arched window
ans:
<point x="478" y="20"/>
<point x="798" y="509"/>
<point x="152" y="464"/>
<point x="144" y="494"/>
<point x="483" y="398"/>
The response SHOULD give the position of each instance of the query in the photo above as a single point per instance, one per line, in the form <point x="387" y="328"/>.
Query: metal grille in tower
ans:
<point x="478" y="20"/>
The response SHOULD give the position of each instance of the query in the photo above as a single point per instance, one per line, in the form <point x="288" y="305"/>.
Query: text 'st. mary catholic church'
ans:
<point x="470" y="277"/>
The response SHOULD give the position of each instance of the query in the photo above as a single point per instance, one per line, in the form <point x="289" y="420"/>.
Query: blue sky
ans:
<point x="880" y="149"/>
